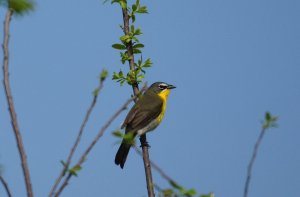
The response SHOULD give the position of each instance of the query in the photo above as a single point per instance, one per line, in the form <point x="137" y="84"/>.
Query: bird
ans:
<point x="145" y="115"/>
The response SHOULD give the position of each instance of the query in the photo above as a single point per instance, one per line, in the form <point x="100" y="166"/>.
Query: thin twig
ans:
<point x="252" y="160"/>
<point x="80" y="132"/>
<point x="5" y="185"/>
<point x="11" y="107"/>
<point x="95" y="140"/>
<point x="143" y="138"/>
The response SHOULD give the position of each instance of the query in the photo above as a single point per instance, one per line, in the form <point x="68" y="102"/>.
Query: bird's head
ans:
<point x="162" y="89"/>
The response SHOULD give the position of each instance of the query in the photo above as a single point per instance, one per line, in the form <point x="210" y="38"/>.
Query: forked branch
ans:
<point x="80" y="132"/>
<point x="83" y="157"/>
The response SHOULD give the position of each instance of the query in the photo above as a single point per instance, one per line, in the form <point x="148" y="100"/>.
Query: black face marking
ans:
<point x="162" y="86"/>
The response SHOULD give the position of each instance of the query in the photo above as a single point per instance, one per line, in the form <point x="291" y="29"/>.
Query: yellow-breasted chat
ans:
<point x="145" y="115"/>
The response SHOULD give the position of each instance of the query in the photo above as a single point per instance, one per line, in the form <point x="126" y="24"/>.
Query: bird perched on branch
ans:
<point x="146" y="114"/>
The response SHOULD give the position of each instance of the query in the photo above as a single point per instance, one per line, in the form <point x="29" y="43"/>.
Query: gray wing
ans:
<point x="138" y="118"/>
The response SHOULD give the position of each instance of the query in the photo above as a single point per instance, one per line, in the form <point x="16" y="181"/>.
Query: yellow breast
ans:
<point x="164" y="96"/>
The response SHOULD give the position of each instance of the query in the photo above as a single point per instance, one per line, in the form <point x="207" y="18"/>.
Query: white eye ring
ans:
<point x="162" y="86"/>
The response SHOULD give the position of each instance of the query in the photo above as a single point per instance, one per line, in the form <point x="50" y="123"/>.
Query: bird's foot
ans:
<point x="144" y="142"/>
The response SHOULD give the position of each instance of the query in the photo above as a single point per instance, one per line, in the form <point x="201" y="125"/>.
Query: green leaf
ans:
<point x="268" y="116"/>
<point x="132" y="28"/>
<point x="133" y="18"/>
<point x="121" y="2"/>
<point x="175" y="185"/>
<point x="140" y="62"/>
<point x="119" y="77"/>
<point x="124" y="57"/>
<point x="21" y="7"/>
<point x="63" y="163"/>
<point x="137" y="32"/>
<point x="140" y="78"/>
<point x="211" y="194"/>
<point x="137" y="71"/>
<point x="134" y="7"/>
<point x="119" y="46"/>
<point x="65" y="167"/>
<point x="122" y="82"/>
<point x="142" y="10"/>
<point x="77" y="168"/>
<point x="125" y="38"/>
<point x="136" y="51"/>
<point x="147" y="63"/>
<point x="115" y="76"/>
<point x="129" y="138"/>
<point x="270" y="121"/>
<point x="96" y="92"/>
<point x="167" y="192"/>
<point x="135" y="39"/>
<point x="103" y="74"/>
<point x="190" y="192"/>
<point x="121" y="74"/>
<point x="118" y="134"/>
<point x="140" y="45"/>
<point x="74" y="170"/>
<point x="137" y="3"/>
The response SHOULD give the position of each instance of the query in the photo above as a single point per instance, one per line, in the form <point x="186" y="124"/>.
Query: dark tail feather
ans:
<point x="121" y="155"/>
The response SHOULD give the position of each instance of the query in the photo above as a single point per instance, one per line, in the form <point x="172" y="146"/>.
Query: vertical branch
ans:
<point x="143" y="138"/>
<point x="135" y="86"/>
<point x="5" y="185"/>
<point x="11" y="107"/>
<point x="252" y="160"/>
<point x="147" y="165"/>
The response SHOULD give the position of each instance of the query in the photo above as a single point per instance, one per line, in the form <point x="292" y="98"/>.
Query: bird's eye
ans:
<point x="162" y="86"/>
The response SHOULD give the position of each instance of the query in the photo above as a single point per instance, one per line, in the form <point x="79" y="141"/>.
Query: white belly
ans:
<point x="150" y="127"/>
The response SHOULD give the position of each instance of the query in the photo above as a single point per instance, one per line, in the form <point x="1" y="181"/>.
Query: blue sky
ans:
<point x="230" y="60"/>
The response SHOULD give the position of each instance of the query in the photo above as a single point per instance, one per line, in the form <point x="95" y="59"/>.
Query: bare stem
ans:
<point x="80" y="132"/>
<point x="5" y="185"/>
<point x="93" y="143"/>
<point x="135" y="87"/>
<point x="11" y="107"/>
<point x="252" y="160"/>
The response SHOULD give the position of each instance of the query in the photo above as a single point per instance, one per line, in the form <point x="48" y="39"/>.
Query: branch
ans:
<point x="252" y="160"/>
<point x="5" y="185"/>
<point x="147" y="165"/>
<point x="85" y="120"/>
<point x="270" y="121"/>
<point x="156" y="167"/>
<point x="170" y="192"/>
<point x="90" y="147"/>
<point x="143" y="138"/>
<point x="11" y="107"/>
<point x="135" y="86"/>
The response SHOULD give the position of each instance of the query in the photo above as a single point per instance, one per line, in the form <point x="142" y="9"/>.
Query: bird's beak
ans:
<point x="171" y="86"/>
